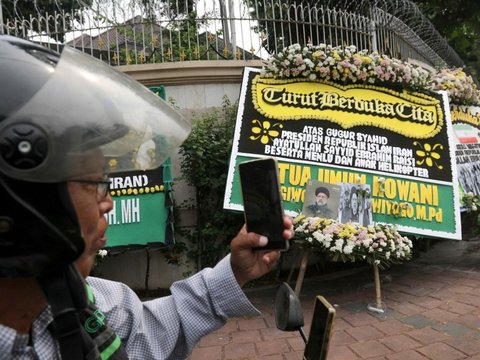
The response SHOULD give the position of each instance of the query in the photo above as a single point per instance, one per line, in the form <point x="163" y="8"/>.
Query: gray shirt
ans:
<point x="164" y="328"/>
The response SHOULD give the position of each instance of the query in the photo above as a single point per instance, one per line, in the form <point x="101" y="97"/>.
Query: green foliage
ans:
<point x="178" y="40"/>
<point x="155" y="9"/>
<point x="458" y="22"/>
<point x="471" y="215"/>
<point x="205" y="160"/>
<point x="56" y="25"/>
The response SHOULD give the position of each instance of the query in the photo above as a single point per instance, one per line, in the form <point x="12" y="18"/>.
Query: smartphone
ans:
<point x="262" y="201"/>
<point x="320" y="330"/>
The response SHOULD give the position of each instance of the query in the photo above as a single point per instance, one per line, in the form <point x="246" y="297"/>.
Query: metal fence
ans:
<point x="187" y="30"/>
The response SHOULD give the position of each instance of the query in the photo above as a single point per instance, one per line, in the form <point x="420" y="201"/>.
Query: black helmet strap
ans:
<point x="66" y="293"/>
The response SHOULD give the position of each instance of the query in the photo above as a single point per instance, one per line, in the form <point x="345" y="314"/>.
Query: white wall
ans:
<point x="202" y="96"/>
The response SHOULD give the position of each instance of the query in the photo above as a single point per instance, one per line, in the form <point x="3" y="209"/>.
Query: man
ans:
<point x="320" y="207"/>
<point x="64" y="123"/>
<point x="367" y="208"/>
<point x="344" y="213"/>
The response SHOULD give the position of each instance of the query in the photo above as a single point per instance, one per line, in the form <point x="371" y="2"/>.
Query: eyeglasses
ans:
<point x="102" y="186"/>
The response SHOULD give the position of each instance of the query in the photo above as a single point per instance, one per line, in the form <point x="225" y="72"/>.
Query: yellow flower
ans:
<point x="316" y="55"/>
<point x="265" y="131"/>
<point x="112" y="163"/>
<point x="366" y="60"/>
<point x="328" y="221"/>
<point x="350" y="227"/>
<point x="428" y="154"/>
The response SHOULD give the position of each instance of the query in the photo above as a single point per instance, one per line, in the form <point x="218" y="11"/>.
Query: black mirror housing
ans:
<point x="288" y="309"/>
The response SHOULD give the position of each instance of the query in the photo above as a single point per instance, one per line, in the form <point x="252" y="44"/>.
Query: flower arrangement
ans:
<point x="470" y="217"/>
<point x="460" y="87"/>
<point x="350" y="65"/>
<point x="344" y="64"/>
<point x="379" y="245"/>
<point x="471" y="202"/>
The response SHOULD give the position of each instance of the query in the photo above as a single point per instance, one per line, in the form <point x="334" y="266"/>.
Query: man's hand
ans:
<point x="248" y="264"/>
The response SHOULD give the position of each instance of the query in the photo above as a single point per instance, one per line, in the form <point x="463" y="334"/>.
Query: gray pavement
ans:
<point x="433" y="312"/>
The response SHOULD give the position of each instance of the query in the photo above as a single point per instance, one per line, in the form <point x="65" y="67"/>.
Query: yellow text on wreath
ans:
<point x="414" y="115"/>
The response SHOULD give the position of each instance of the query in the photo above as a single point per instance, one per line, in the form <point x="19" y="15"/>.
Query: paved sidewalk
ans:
<point x="433" y="312"/>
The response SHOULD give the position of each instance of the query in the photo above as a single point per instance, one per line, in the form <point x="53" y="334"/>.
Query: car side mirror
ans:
<point x="289" y="317"/>
<point x="288" y="310"/>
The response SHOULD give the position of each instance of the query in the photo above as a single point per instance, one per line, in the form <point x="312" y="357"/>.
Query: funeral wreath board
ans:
<point x="398" y="142"/>
<point x="466" y="127"/>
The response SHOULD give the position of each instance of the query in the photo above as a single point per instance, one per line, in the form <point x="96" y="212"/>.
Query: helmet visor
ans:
<point x="86" y="105"/>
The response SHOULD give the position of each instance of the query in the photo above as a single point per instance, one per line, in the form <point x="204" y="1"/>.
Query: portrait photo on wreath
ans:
<point x="355" y="205"/>
<point x="321" y="200"/>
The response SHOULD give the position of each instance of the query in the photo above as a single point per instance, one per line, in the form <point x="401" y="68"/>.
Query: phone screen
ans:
<point x="320" y="330"/>
<point x="262" y="201"/>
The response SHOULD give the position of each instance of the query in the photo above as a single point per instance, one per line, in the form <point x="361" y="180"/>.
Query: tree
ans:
<point x="458" y="22"/>
<point x="205" y="160"/>
<point x="151" y="9"/>
<point x="282" y="22"/>
<point x="19" y="13"/>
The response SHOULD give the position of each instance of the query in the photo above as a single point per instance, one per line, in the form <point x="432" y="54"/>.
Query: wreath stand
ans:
<point x="378" y="307"/>
<point x="301" y="254"/>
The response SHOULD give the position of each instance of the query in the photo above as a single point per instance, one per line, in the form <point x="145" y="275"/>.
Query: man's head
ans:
<point x="321" y="195"/>
<point x="346" y="197"/>
<point x="354" y="199"/>
<point x="368" y="200"/>
<point x="91" y="200"/>
<point x="66" y="121"/>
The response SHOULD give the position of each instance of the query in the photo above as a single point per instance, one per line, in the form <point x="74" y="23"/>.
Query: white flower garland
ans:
<point x="380" y="245"/>
<point x="349" y="65"/>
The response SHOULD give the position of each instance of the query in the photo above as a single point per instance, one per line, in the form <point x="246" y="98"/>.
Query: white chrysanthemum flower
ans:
<point x="102" y="253"/>
<point x="348" y="249"/>
<point x="309" y="63"/>
<point x="339" y="243"/>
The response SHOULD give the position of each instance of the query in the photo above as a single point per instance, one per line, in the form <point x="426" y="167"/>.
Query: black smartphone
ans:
<point x="262" y="201"/>
<point x="320" y="330"/>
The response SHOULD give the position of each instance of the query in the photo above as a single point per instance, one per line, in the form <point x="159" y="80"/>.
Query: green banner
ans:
<point x="142" y="213"/>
